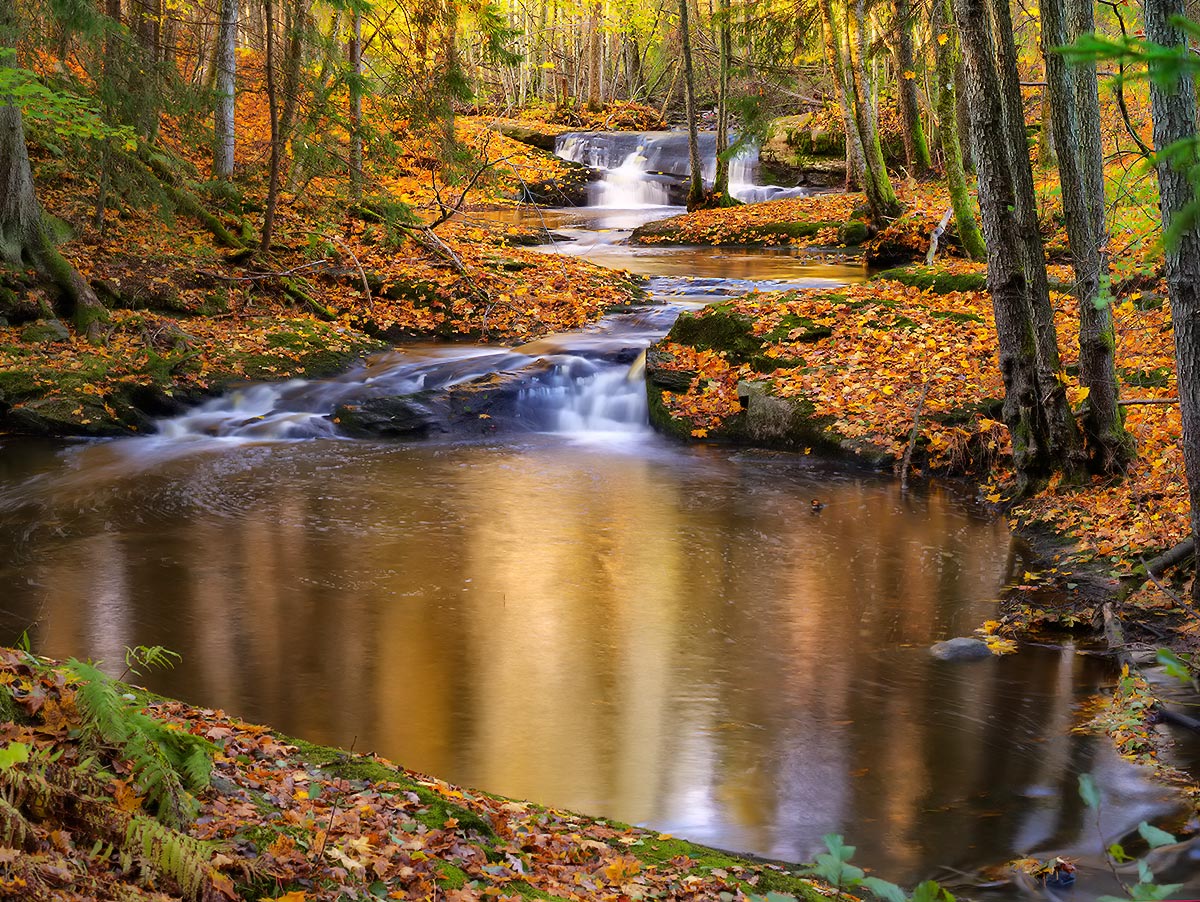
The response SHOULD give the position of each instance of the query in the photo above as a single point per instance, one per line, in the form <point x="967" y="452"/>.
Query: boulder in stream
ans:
<point x="384" y="418"/>
<point x="961" y="648"/>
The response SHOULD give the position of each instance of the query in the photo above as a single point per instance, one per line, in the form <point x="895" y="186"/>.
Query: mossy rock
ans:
<point x="935" y="279"/>
<point x="62" y="416"/>
<point x="798" y="329"/>
<point x="717" y="328"/>
<point x="543" y="137"/>
<point x="853" y="233"/>
<point x="44" y="332"/>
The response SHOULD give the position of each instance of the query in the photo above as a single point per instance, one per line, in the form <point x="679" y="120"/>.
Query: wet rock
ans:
<point x="385" y="418"/>
<point x="960" y="648"/>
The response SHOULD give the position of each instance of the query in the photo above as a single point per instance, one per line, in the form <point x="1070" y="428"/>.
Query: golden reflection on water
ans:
<point x="664" y="636"/>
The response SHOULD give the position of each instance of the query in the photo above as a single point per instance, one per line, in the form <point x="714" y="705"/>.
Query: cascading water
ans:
<point x="577" y="384"/>
<point x="649" y="169"/>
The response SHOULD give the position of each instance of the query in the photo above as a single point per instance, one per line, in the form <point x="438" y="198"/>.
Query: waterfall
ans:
<point x="650" y="169"/>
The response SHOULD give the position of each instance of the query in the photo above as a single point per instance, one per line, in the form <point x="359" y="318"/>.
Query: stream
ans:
<point x="564" y="607"/>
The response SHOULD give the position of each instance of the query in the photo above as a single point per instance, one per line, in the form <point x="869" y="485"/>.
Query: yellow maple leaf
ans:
<point x="909" y="74"/>
<point x="942" y="39"/>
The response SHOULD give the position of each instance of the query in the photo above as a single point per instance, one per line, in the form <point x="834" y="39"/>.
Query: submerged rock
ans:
<point x="384" y="417"/>
<point x="961" y="648"/>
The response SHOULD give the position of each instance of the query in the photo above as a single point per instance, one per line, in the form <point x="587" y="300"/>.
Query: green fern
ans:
<point x="166" y="763"/>
<point x="43" y="787"/>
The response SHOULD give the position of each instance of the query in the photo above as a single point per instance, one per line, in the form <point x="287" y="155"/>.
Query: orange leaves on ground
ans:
<point x="755" y="223"/>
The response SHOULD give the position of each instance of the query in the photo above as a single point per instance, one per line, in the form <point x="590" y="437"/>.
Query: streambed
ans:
<point x="575" y="611"/>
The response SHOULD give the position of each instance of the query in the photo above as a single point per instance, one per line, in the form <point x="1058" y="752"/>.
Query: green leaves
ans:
<point x="13" y="754"/>
<point x="834" y="868"/>
<point x="1174" y="665"/>
<point x="57" y="112"/>
<point x="1088" y="791"/>
<point x="1154" y="836"/>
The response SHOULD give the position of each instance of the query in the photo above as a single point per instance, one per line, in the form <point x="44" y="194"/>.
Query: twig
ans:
<point x="1126" y="402"/>
<point x="332" y="812"/>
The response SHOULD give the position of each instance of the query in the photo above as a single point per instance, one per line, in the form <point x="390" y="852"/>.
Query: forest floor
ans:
<point x="280" y="818"/>
<point x="188" y="318"/>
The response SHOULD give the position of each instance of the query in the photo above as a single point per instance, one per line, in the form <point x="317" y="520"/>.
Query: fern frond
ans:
<point x="181" y="858"/>
<point x="15" y="829"/>
<point x="151" y="749"/>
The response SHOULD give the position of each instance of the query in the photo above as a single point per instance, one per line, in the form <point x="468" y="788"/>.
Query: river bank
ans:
<point x="281" y="818"/>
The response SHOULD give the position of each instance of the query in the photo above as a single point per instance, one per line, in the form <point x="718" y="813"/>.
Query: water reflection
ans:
<point x="663" y="635"/>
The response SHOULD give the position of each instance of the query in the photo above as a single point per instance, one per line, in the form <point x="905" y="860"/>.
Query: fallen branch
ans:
<point x="294" y="291"/>
<point x="1129" y="402"/>
<point x="1154" y="579"/>
<point x="1170" y="557"/>
<point x="1114" y="635"/>
<point x="936" y="234"/>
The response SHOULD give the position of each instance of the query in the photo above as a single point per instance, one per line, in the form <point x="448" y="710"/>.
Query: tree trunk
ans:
<point x="1074" y="103"/>
<point x="24" y="239"/>
<point x="1173" y="109"/>
<point x="855" y="155"/>
<point x="1044" y="439"/>
<point x="356" y="95"/>
<point x="881" y="197"/>
<point x="593" y="56"/>
<point x="268" y="230"/>
<point x="695" y="197"/>
<point x="725" y="56"/>
<point x="916" y="148"/>
<point x="225" y="131"/>
<point x="947" y="115"/>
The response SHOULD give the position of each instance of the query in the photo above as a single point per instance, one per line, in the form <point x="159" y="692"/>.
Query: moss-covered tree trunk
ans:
<point x="1173" y="108"/>
<point x="916" y="148"/>
<point x="947" y="114"/>
<point x="24" y="239"/>
<point x="1044" y="437"/>
<point x="1075" y="120"/>
<point x="695" y="196"/>
<point x="836" y="55"/>
<point x="724" y="61"/>
<point x="881" y="196"/>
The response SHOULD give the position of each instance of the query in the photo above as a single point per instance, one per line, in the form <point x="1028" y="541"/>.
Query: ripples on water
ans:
<point x="601" y="621"/>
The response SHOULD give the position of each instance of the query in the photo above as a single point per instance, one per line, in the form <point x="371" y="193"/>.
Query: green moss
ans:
<point x="661" y="418"/>
<point x="451" y="876"/>
<point x="809" y="330"/>
<point x="853" y="233"/>
<point x="1156" y="377"/>
<point x="932" y="278"/>
<point x="717" y="328"/>
<point x="435" y="810"/>
<point x="956" y="317"/>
